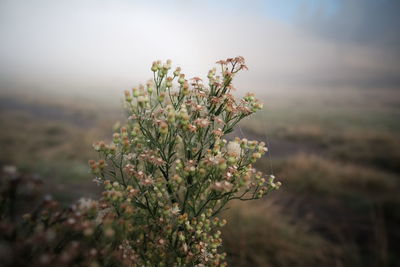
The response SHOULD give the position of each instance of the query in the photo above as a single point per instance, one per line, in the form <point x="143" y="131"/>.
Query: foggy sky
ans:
<point x="100" y="46"/>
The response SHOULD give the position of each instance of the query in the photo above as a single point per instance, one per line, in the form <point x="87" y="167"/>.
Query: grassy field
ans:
<point x="336" y="152"/>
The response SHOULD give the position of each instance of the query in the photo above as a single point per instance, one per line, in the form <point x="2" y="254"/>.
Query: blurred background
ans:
<point x="327" y="71"/>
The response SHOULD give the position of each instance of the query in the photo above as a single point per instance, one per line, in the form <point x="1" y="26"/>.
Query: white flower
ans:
<point x="101" y="214"/>
<point x="130" y="156"/>
<point x="97" y="180"/>
<point x="175" y="210"/>
<point x="233" y="149"/>
<point x="86" y="203"/>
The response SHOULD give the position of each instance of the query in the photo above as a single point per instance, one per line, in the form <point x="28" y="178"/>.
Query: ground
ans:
<point x="337" y="153"/>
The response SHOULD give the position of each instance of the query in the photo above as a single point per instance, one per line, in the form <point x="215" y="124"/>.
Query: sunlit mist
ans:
<point x="98" y="47"/>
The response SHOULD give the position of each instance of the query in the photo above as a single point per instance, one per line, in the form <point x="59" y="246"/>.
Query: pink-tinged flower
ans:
<point x="239" y="59"/>
<point x="147" y="181"/>
<point x="132" y="117"/>
<point x="244" y="67"/>
<point x="201" y="94"/>
<point x="222" y="186"/>
<point x="244" y="110"/>
<point x="130" y="169"/>
<point x="216" y="100"/>
<point x="227" y="73"/>
<point x="230" y="98"/>
<point x="192" y="128"/>
<point x="231" y="107"/>
<point x="217" y="84"/>
<point x="158" y="161"/>
<point x="151" y="157"/>
<point x="196" y="79"/>
<point x="218" y="132"/>
<point x="219" y="120"/>
<point x="231" y="87"/>
<point x="198" y="107"/>
<point x="202" y="122"/>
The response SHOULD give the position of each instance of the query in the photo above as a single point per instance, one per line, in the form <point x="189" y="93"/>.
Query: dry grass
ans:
<point x="259" y="234"/>
<point x="352" y="206"/>
<point x="310" y="173"/>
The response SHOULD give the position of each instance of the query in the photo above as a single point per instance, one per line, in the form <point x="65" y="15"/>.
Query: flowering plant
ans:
<point x="169" y="172"/>
<point x="167" y="175"/>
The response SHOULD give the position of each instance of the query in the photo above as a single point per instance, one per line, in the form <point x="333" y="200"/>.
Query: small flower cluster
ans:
<point x="170" y="172"/>
<point x="85" y="234"/>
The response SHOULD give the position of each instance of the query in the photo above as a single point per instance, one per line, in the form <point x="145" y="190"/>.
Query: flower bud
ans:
<point x="163" y="128"/>
<point x="142" y="100"/>
<point x="109" y="232"/>
<point x="161" y="97"/>
<point x="135" y="92"/>
<point x="128" y="97"/>
<point x="185" y="88"/>
<point x="154" y="67"/>
<point x="116" y="138"/>
<point x="168" y="64"/>
<point x="102" y="164"/>
<point x="168" y="83"/>
<point x="177" y="71"/>
<point x="181" y="79"/>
